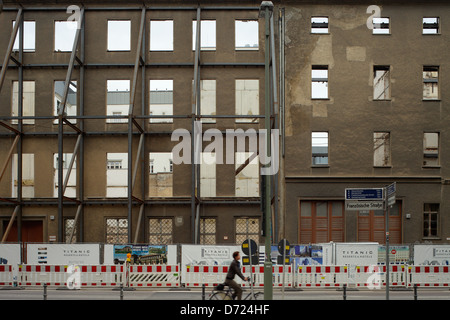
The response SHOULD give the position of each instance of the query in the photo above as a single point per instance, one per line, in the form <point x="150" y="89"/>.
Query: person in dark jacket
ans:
<point x="235" y="269"/>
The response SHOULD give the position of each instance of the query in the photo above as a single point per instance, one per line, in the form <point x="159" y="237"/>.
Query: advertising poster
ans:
<point x="63" y="254"/>
<point x="307" y="255"/>
<point x="141" y="254"/>
<point x="397" y="254"/>
<point x="438" y="255"/>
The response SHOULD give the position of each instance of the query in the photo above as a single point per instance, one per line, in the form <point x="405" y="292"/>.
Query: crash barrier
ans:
<point x="6" y="275"/>
<point x="321" y="276"/>
<point x="375" y="276"/>
<point x="211" y="276"/>
<point x="428" y="276"/>
<point x="70" y="276"/>
<point x="208" y="276"/>
<point x="153" y="276"/>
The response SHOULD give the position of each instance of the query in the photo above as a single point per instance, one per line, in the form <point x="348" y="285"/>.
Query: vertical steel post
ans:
<point x="81" y="156"/>
<point x="282" y="188"/>
<point x="267" y="7"/>
<point x="20" y="128"/>
<point x="387" y="241"/>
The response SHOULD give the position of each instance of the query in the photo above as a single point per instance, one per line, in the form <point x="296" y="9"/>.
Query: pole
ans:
<point x="268" y="289"/>
<point x="387" y="242"/>
<point x="284" y="263"/>
<point x="251" y="266"/>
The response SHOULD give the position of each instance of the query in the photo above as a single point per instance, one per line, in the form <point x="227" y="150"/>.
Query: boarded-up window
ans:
<point x="116" y="231"/>
<point x="207" y="230"/>
<point x="208" y="174"/>
<point x="161" y="174"/>
<point x="117" y="175"/>
<point x="247" y="99"/>
<point x="160" y="231"/>
<point x="27" y="175"/>
<point x="247" y="228"/>
<point x="321" y="221"/>
<point x="247" y="174"/>
<point x="117" y="100"/>
<point x="381" y="149"/>
<point x="430" y="83"/>
<point x="381" y="83"/>
<point x="71" y="188"/>
<point x="161" y="100"/>
<point x="28" y="101"/>
<point x="431" y="149"/>
<point x="208" y="99"/>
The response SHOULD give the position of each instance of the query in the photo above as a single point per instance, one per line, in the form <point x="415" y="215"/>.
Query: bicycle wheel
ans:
<point x="258" y="296"/>
<point x="220" y="295"/>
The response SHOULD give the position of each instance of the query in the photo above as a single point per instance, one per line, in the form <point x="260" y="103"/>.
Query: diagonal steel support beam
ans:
<point x="72" y="161"/>
<point x="77" y="215"/>
<point x="10" y="224"/>
<point x="136" y="163"/>
<point x="138" y="227"/>
<point x="8" y="158"/>
<point x="246" y="163"/>
<point x="10" y="47"/>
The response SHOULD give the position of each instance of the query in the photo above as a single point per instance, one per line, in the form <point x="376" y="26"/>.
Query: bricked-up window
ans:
<point x="381" y="83"/>
<point x="161" y="100"/>
<point x="116" y="231"/>
<point x="207" y="230"/>
<point x="381" y="26"/>
<point x="319" y="145"/>
<point x="430" y="83"/>
<point x="65" y="35"/>
<point x="207" y="34"/>
<point x="247" y="228"/>
<point x="29" y="37"/>
<point x="71" y="187"/>
<point x="71" y="102"/>
<point x="431" y="25"/>
<point x="117" y="175"/>
<point x="381" y="149"/>
<point x="161" y="35"/>
<point x="319" y="24"/>
<point x="119" y="35"/>
<point x="208" y="174"/>
<point x="319" y="82"/>
<point x="27" y="175"/>
<point x="246" y="34"/>
<point x="28" y="103"/>
<point x="430" y="219"/>
<point x="247" y="99"/>
<point x="161" y="175"/>
<point x="117" y="100"/>
<point x="160" y="231"/>
<point x="431" y="149"/>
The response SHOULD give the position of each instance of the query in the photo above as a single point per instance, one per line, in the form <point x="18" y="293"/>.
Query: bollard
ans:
<point x="45" y="291"/>
<point x="345" y="292"/>
<point x="415" y="292"/>
<point x="121" y="291"/>
<point x="203" y="291"/>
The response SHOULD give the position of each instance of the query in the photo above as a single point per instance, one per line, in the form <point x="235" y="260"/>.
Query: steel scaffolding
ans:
<point x="136" y="123"/>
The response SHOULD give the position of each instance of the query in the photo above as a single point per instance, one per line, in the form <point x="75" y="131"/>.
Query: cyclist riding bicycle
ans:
<point x="235" y="269"/>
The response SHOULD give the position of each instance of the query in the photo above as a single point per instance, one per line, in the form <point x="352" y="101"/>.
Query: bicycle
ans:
<point x="227" y="294"/>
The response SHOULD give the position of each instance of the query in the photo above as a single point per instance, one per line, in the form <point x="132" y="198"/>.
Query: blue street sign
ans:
<point x="364" y="194"/>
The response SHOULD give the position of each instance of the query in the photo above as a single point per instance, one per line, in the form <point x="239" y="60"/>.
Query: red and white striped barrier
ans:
<point x="429" y="276"/>
<point x="322" y="276"/>
<point x="258" y="276"/>
<point x="375" y="276"/>
<point x="154" y="276"/>
<point x="210" y="276"/>
<point x="6" y="275"/>
<point x="70" y="276"/>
